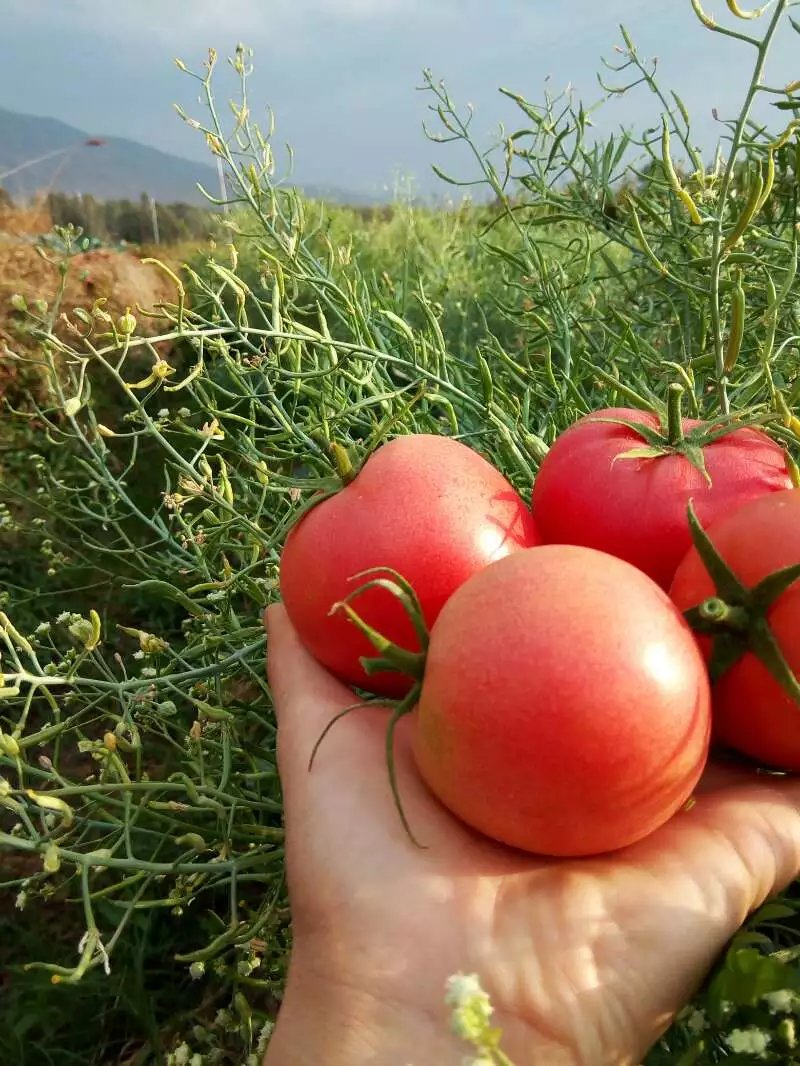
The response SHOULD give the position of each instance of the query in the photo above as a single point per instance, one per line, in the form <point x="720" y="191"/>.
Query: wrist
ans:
<point x="337" y="1018"/>
<point x="329" y="1018"/>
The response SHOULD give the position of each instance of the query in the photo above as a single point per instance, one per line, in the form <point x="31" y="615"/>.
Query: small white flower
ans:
<point x="196" y="970"/>
<point x="697" y="1021"/>
<point x="63" y="617"/>
<point x="263" y="1036"/>
<point x="21" y="899"/>
<point x="748" y="1041"/>
<point x="472" y="1009"/>
<point x="781" y="1001"/>
<point x="196" y="1059"/>
<point x="461" y="987"/>
<point x="148" y="671"/>
<point x="138" y="655"/>
<point x="163" y="413"/>
<point x="181" y="1054"/>
<point x="42" y="628"/>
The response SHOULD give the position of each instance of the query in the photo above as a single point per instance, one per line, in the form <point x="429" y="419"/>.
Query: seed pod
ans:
<point x="486" y="380"/>
<point x="769" y="180"/>
<point x="225" y="481"/>
<point x="674" y="180"/>
<point x="8" y="745"/>
<point x="754" y="201"/>
<point x="737" y="327"/>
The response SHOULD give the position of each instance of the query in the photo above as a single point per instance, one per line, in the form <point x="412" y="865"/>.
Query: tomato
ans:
<point x="635" y="508"/>
<point x="565" y="704"/>
<point x="428" y="507"/>
<point x="752" y="711"/>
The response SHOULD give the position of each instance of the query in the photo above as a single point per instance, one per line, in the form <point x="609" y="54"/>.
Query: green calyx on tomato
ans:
<point x="390" y="657"/>
<point x="672" y="439"/>
<point x="736" y="618"/>
<point x="344" y="464"/>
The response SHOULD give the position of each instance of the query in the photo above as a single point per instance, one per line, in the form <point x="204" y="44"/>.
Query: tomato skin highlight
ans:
<point x="752" y="712"/>
<point x="636" y="508"/>
<point x="430" y="508"/>
<point x="565" y="708"/>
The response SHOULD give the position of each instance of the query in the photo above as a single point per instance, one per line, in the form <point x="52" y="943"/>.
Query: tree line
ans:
<point x="133" y="221"/>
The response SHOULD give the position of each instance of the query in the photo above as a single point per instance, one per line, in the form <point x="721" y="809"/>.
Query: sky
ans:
<point x="341" y="75"/>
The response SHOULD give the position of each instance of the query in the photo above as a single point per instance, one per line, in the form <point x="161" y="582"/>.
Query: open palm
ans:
<point x="586" y="961"/>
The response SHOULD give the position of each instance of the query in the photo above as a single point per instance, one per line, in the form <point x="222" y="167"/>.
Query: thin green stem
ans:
<point x="718" y="240"/>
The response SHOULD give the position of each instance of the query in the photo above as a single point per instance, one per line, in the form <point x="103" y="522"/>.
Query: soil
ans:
<point x="118" y="276"/>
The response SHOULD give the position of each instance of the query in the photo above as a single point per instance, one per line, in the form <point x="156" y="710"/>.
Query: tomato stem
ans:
<point x="342" y="714"/>
<point x="391" y="655"/>
<point x="406" y="706"/>
<point x="674" y="416"/>
<point x="717" y="611"/>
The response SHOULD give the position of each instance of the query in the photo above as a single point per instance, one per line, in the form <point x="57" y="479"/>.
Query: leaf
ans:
<point x="647" y="451"/>
<point x="697" y="458"/>
<point x="652" y="436"/>
<point x="773" y="911"/>
<point x="692" y="1056"/>
<point x="727" y="584"/>
<point x="727" y="651"/>
<point x="773" y="586"/>
<point x="766" y="647"/>
<point x="747" y="975"/>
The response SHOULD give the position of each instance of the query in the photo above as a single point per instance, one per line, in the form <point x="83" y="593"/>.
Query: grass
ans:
<point x="157" y="462"/>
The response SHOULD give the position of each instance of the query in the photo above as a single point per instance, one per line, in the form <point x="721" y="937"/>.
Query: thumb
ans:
<point x="307" y="699"/>
<point x="738" y="845"/>
<point x="760" y="823"/>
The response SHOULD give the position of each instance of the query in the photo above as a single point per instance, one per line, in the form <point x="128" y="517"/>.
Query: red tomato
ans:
<point x="565" y="704"/>
<point x="752" y="712"/>
<point x="636" y="508"/>
<point x="428" y="507"/>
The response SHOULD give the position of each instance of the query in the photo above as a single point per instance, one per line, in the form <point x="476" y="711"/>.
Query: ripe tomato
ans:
<point x="428" y="507"/>
<point x="565" y="704"/>
<point x="635" y="508"/>
<point x="752" y="711"/>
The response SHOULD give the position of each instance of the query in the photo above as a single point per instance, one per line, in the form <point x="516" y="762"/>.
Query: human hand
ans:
<point x="586" y="961"/>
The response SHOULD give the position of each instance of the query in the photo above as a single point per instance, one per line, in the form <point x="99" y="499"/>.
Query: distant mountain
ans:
<point x="116" y="169"/>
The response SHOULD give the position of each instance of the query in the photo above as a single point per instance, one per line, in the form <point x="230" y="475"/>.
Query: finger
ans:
<point x="761" y="822"/>
<point x="737" y="845"/>
<point x="726" y="772"/>
<point x="294" y="674"/>
<point x="350" y="777"/>
<point x="307" y="700"/>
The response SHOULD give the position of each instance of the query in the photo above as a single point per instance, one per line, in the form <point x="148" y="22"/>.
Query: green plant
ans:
<point x="139" y="548"/>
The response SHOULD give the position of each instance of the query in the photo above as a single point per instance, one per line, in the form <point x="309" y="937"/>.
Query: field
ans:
<point x="165" y="421"/>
